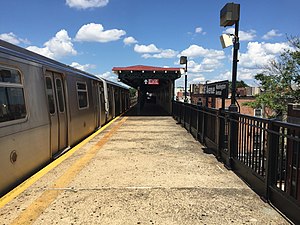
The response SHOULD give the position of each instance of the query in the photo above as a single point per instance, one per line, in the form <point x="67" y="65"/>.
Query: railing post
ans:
<point x="190" y="120"/>
<point x="180" y="112"/>
<point x="198" y="115"/>
<point x="203" y="125"/>
<point x="272" y="157"/>
<point x="233" y="139"/>
<point x="220" y="132"/>
<point x="184" y="115"/>
<point x="173" y="110"/>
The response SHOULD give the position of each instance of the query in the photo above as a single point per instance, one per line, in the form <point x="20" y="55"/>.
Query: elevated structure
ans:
<point x="150" y="81"/>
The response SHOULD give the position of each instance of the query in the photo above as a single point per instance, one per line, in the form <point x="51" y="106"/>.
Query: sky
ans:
<point x="97" y="35"/>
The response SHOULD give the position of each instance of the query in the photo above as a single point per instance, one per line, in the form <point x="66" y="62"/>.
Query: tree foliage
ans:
<point x="280" y="82"/>
<point x="239" y="84"/>
<point x="132" y="92"/>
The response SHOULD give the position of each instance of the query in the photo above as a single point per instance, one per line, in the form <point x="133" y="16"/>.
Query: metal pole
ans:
<point x="236" y="46"/>
<point x="233" y="143"/>
<point x="185" y="83"/>
<point x="206" y="97"/>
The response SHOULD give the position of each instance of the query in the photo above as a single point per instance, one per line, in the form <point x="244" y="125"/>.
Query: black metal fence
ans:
<point x="265" y="153"/>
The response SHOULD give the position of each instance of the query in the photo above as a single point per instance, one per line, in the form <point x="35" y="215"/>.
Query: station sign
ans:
<point x="153" y="82"/>
<point x="217" y="89"/>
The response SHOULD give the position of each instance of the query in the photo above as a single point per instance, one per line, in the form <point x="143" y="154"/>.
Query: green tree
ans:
<point x="241" y="84"/>
<point x="280" y="82"/>
<point x="132" y="92"/>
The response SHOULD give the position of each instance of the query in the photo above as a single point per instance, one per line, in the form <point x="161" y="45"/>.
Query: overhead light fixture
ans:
<point x="182" y="70"/>
<point x="226" y="40"/>
<point x="183" y="60"/>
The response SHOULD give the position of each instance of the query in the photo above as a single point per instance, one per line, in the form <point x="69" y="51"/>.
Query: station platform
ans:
<point x="136" y="170"/>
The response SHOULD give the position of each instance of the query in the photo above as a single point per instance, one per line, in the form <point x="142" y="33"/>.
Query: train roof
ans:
<point x="111" y="82"/>
<point x="23" y="53"/>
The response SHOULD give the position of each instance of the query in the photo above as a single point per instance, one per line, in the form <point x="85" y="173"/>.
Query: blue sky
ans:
<point x="96" y="35"/>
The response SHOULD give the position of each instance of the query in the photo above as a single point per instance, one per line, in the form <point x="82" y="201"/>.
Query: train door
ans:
<point x="117" y="101"/>
<point x="57" y="109"/>
<point x="97" y="103"/>
<point x="102" y="112"/>
<point x="113" y="108"/>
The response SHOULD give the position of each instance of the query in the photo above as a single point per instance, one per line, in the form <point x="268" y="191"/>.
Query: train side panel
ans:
<point x="82" y="107"/>
<point x="24" y="121"/>
<point x="46" y="107"/>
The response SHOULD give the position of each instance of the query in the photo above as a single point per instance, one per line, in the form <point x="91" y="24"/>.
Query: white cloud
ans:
<point x="56" y="47"/>
<point x="194" y="67"/>
<point x="243" y="35"/>
<point x="198" y="51"/>
<point x="198" y="79"/>
<point x="129" y="41"/>
<point x="151" y="51"/>
<point x="207" y="65"/>
<point x="272" y="33"/>
<point x="199" y="30"/>
<point x="225" y="76"/>
<point x="247" y="74"/>
<point x="144" y="49"/>
<point x="111" y="77"/>
<point x="12" y="38"/>
<point x="84" y="67"/>
<point x="95" y="32"/>
<point x="255" y="59"/>
<point x="85" y="4"/>
<point x="258" y="55"/>
<point x="242" y="74"/>
<point x="165" y="53"/>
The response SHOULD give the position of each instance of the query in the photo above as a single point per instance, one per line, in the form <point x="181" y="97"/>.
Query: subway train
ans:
<point x="45" y="108"/>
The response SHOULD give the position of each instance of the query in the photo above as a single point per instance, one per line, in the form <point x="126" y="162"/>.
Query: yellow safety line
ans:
<point x="36" y="208"/>
<point x="30" y="181"/>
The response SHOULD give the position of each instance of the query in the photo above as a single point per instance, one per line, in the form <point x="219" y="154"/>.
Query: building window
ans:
<point x="82" y="95"/>
<point x="258" y="113"/>
<point x="12" y="102"/>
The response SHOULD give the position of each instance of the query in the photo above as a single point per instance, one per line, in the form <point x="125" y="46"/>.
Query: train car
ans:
<point x="45" y="108"/>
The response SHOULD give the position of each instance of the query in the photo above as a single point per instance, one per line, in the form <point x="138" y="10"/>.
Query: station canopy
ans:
<point x="155" y="77"/>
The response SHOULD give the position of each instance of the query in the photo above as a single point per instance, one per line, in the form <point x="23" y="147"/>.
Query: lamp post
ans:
<point x="230" y="15"/>
<point x="183" y="60"/>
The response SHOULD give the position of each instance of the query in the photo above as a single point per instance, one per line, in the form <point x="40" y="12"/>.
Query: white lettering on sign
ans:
<point x="153" y="81"/>
<point x="216" y="89"/>
<point x="221" y="86"/>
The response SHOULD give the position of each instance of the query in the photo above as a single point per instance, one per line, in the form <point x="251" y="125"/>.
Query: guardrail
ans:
<point x="264" y="153"/>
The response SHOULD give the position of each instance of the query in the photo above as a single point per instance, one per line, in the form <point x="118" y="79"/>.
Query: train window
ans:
<point x="60" y="95"/>
<point x="12" y="102"/>
<point x="10" y="76"/>
<point x="49" y="91"/>
<point x="82" y="95"/>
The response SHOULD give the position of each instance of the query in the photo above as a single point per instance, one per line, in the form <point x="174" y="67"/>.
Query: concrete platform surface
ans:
<point x="140" y="170"/>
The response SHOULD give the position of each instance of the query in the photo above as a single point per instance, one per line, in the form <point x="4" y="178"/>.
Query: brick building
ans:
<point x="293" y="115"/>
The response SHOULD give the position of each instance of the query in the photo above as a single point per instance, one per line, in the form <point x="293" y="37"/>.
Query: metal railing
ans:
<point x="265" y="153"/>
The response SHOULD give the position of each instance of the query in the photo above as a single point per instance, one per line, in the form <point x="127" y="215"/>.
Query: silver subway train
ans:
<point x="45" y="108"/>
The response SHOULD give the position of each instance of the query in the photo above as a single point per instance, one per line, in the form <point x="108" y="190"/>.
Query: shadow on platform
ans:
<point x="149" y="109"/>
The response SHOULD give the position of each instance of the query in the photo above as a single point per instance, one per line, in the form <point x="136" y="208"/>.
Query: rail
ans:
<point x="264" y="153"/>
